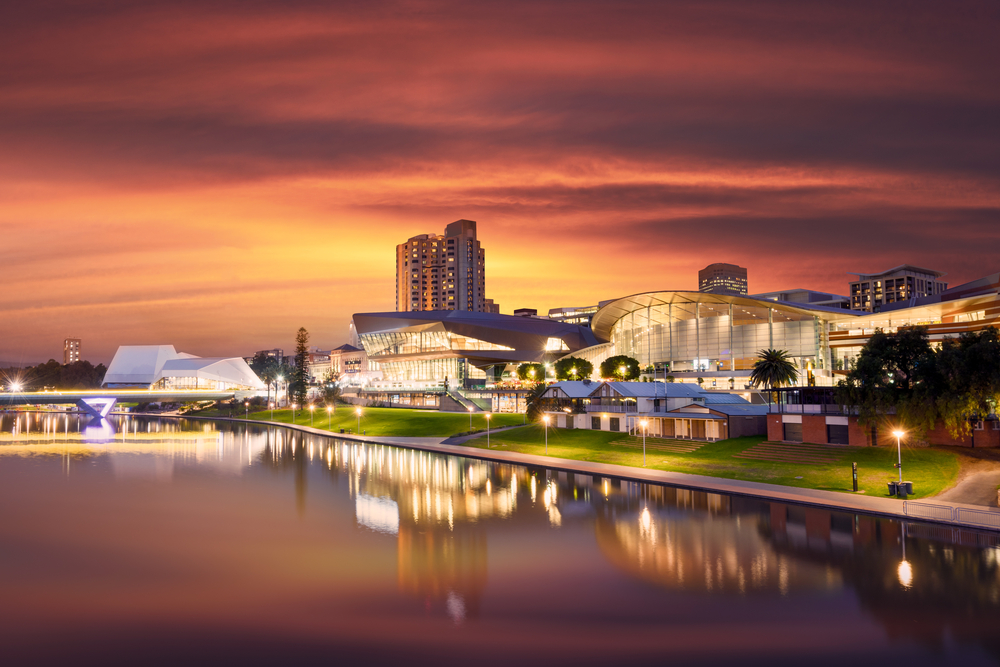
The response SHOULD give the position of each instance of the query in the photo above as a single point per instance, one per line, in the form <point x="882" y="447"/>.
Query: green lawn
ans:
<point x="386" y="421"/>
<point x="930" y="470"/>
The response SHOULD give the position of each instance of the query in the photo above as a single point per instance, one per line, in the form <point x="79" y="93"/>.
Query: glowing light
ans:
<point x="905" y="573"/>
<point x="545" y="419"/>
<point x="899" y="434"/>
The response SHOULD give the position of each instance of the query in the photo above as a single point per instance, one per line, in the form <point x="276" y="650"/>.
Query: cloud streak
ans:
<point x="161" y="162"/>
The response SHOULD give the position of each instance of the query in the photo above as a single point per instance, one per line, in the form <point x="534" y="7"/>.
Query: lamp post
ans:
<point x="545" y="419"/>
<point x="470" y="420"/>
<point x="358" y="412"/>
<point x="643" y="422"/>
<point x="488" y="415"/>
<point x="329" y="418"/>
<point x="277" y="389"/>
<point x="271" y="405"/>
<point x="293" y="412"/>
<point x="246" y="405"/>
<point x="621" y="371"/>
<point x="312" y="409"/>
<point x="899" y="453"/>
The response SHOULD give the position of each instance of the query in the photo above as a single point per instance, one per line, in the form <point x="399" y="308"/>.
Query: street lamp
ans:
<point x="271" y="405"/>
<point x="643" y="422"/>
<point x="470" y="420"/>
<point x="358" y="412"/>
<point x="546" y="420"/>
<point x="573" y="371"/>
<point x="621" y="371"/>
<point x="899" y="453"/>
<point x="329" y="417"/>
<point x="312" y="409"/>
<point x="281" y="378"/>
<point x="247" y="406"/>
<point x="293" y="412"/>
<point x="488" y="415"/>
<point x="15" y="387"/>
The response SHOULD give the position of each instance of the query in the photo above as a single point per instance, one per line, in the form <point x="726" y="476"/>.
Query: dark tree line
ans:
<point x="902" y="373"/>
<point x="78" y="375"/>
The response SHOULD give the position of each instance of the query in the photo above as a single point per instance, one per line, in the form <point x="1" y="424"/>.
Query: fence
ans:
<point x="974" y="517"/>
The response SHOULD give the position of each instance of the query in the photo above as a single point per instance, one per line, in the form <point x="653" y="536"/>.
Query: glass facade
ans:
<point x="409" y="370"/>
<point x="419" y="342"/>
<point x="694" y="336"/>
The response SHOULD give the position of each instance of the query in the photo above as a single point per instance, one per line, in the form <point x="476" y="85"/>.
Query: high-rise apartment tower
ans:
<point x="448" y="272"/>
<point x="71" y="350"/>
<point x="723" y="279"/>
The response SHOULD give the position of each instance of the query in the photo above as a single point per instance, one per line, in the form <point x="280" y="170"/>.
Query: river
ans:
<point x="166" y="541"/>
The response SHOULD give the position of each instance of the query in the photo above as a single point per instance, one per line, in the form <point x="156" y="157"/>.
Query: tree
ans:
<point x="300" y="385"/>
<point x="268" y="369"/>
<point x="773" y="368"/>
<point x="964" y="381"/>
<point x="331" y="390"/>
<point x="531" y="372"/>
<point x="572" y="368"/>
<point x="620" y="367"/>
<point x="533" y="411"/>
<point x="891" y="375"/>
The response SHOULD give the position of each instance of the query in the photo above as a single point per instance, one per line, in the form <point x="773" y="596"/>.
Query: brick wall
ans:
<point x="814" y="429"/>
<point x="775" y="433"/>
<point x="988" y="437"/>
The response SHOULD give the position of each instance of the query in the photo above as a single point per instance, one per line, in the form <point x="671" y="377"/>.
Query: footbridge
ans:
<point x="99" y="402"/>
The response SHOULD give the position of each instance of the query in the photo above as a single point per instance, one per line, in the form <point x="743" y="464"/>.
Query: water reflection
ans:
<point x="448" y="518"/>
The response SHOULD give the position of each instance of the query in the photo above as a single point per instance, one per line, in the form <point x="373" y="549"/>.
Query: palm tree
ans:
<point x="773" y="368"/>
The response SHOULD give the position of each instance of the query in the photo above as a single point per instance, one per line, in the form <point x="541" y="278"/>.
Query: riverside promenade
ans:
<point x="938" y="511"/>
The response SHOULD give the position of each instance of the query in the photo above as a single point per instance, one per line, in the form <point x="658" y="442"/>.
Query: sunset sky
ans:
<point x="216" y="174"/>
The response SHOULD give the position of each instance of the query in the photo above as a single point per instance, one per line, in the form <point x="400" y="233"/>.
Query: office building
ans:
<point x="71" y="350"/>
<point x="723" y="279"/>
<point x="573" y="315"/>
<point x="871" y="291"/>
<point x="442" y="272"/>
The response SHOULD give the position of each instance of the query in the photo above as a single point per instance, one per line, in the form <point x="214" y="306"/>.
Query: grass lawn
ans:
<point x="385" y="421"/>
<point x="930" y="470"/>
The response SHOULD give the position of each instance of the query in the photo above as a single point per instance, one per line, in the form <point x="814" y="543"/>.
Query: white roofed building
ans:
<point x="163" y="367"/>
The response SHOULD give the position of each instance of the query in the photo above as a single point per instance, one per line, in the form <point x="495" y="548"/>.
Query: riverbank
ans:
<point x="751" y="459"/>
<point x="848" y="502"/>
<point x="382" y="422"/>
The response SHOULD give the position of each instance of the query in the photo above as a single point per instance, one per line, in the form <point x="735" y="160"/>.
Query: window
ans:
<point x="837" y="434"/>
<point x="979" y="425"/>
<point x="615" y="421"/>
<point x="792" y="432"/>
<point x="996" y="426"/>
<point x="595" y="423"/>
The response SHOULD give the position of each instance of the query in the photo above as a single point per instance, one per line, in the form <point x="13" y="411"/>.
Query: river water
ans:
<point x="145" y="541"/>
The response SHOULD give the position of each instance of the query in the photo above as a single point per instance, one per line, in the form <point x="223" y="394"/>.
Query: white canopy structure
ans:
<point x="163" y="367"/>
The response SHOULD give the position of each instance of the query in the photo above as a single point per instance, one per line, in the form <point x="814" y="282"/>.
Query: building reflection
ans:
<point x="922" y="582"/>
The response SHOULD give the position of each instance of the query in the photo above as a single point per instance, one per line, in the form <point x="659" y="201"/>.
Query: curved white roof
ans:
<point x="148" y="364"/>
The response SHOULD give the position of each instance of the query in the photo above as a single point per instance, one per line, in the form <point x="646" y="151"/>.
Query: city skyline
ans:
<point x="168" y="181"/>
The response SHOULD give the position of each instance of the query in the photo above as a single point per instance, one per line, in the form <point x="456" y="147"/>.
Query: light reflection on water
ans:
<point x="366" y="547"/>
